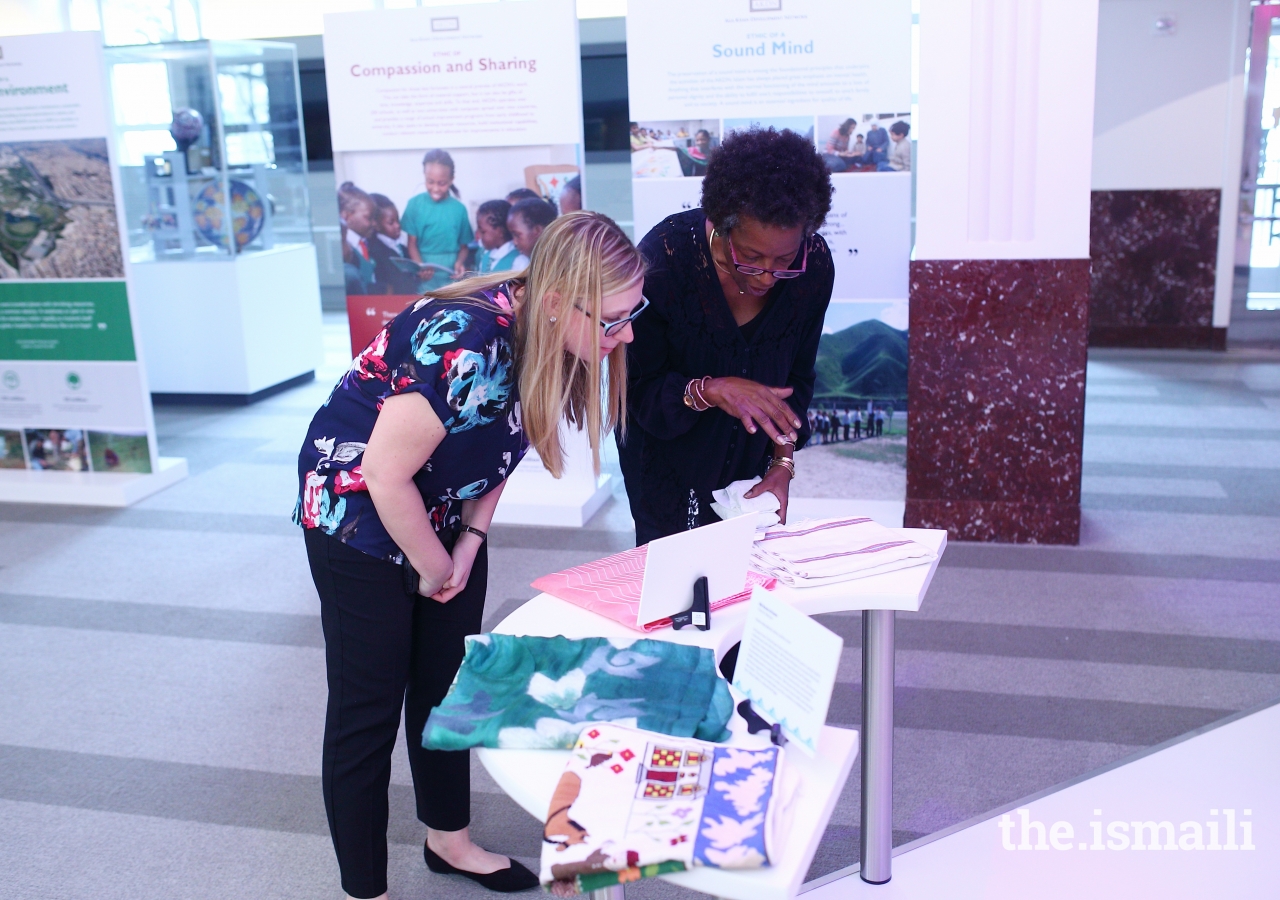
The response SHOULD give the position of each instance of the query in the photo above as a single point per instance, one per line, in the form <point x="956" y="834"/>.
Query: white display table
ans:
<point x="230" y="328"/>
<point x="530" y="776"/>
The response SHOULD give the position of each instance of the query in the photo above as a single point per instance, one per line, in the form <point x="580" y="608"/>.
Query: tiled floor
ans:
<point x="164" y="684"/>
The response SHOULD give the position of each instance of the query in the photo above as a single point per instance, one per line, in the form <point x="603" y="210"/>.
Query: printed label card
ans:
<point x="787" y="668"/>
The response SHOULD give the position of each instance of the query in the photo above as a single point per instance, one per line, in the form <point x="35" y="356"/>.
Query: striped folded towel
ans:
<point x="828" y="551"/>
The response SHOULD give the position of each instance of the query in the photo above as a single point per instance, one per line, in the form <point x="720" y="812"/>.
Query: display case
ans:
<point x="211" y="148"/>
<point x="213" y="168"/>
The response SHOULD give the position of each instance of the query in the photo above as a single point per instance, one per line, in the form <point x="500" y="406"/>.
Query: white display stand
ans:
<point x="88" y="488"/>
<point x="533" y="497"/>
<point x="878" y="596"/>
<point x="235" y="327"/>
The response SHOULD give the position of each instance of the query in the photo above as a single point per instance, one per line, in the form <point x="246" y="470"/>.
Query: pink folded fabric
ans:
<point x="611" y="587"/>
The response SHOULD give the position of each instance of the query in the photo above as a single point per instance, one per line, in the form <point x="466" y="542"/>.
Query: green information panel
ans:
<point x="71" y="320"/>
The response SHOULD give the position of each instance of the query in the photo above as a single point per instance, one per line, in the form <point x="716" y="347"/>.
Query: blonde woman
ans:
<point x="400" y="473"/>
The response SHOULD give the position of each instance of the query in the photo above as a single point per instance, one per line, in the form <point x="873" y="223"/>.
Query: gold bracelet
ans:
<point x="785" y="462"/>
<point x="693" y="397"/>
<point x="702" y="398"/>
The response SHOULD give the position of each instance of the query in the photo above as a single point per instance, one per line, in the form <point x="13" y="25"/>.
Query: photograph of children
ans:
<point x="801" y="125"/>
<point x="526" y="221"/>
<point x="113" y="451"/>
<point x="59" y="449"/>
<point x="412" y="221"/>
<point x="675" y="149"/>
<point x="497" y="251"/>
<point x="872" y="142"/>
<point x="11" y="456"/>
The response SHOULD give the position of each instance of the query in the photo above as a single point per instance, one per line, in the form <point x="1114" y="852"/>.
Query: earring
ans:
<point x="553" y="318"/>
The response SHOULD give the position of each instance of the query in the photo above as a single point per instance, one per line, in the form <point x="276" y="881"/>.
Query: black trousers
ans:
<point x="385" y="650"/>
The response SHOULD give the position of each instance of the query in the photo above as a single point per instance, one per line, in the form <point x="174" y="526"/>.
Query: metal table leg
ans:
<point x="877" y="745"/>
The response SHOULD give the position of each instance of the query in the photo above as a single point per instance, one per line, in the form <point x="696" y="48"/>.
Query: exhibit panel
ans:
<point x="443" y="119"/>
<point x="838" y="74"/>
<point x="75" y="413"/>
<point x="214" y="174"/>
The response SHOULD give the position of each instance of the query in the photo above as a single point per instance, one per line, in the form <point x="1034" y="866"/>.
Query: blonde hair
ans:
<point x="580" y="258"/>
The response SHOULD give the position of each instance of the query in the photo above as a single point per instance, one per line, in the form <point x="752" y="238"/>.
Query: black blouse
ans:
<point x="673" y="457"/>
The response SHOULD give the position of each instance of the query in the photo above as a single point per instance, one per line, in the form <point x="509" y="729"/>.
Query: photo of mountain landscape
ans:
<point x="866" y="361"/>
<point x="861" y="369"/>
<point x="58" y="211"/>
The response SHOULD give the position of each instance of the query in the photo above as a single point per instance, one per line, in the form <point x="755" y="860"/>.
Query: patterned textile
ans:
<point x="611" y="587"/>
<point x="828" y="551"/>
<point x="537" y="692"/>
<point x="458" y="355"/>
<point x="633" y="804"/>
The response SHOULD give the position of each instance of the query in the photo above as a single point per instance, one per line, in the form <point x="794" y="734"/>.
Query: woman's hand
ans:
<point x="777" y="481"/>
<point x="431" y="584"/>
<point x="464" y="557"/>
<point x="757" y="405"/>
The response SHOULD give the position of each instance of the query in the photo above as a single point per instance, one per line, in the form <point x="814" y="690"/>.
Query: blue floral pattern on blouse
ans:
<point x="458" y="355"/>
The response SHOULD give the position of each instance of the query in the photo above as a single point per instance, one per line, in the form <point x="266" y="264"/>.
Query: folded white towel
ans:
<point x="729" y="503"/>
<point x="827" y="551"/>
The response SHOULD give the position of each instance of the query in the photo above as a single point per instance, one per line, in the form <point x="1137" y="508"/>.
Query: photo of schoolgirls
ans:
<point x="872" y="142"/>
<point x="415" y="221"/>
<point x="676" y="149"/>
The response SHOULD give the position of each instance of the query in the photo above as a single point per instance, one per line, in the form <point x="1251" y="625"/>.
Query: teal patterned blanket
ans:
<point x="537" y="692"/>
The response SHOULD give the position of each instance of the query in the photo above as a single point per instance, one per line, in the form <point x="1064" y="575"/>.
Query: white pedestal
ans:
<point x="533" y="497"/>
<point x="88" y="488"/>
<point x="229" y="326"/>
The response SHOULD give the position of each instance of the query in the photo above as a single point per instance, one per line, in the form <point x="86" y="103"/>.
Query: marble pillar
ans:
<point x="998" y="352"/>
<point x="999" y="315"/>
<point x="1155" y="256"/>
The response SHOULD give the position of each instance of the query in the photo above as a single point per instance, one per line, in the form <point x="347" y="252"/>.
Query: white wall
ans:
<point x="1164" y="102"/>
<point x="1169" y="109"/>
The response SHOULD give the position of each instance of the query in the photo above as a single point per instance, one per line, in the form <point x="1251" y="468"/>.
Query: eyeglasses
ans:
<point x="612" y="328"/>
<point x="776" y="273"/>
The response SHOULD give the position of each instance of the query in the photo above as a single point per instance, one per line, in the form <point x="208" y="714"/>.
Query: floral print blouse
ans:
<point x="458" y="354"/>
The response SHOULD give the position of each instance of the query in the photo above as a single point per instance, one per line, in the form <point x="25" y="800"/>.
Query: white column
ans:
<point x="1006" y="112"/>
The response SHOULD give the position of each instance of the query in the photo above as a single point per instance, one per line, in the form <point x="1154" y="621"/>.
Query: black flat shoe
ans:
<point x="505" y="881"/>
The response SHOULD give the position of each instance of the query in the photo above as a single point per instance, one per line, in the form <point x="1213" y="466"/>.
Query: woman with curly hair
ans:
<point x="399" y="474"/>
<point x="722" y="367"/>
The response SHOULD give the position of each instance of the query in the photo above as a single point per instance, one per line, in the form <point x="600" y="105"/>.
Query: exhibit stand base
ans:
<point x="233" y="328"/>
<point x="88" y="488"/>
<point x="533" y="497"/>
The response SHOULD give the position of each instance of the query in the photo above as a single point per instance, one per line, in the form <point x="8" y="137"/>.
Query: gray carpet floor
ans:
<point x="163" y="678"/>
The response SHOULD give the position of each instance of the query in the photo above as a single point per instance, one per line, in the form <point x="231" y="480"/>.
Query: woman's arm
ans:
<point x="405" y="435"/>
<point x="479" y="515"/>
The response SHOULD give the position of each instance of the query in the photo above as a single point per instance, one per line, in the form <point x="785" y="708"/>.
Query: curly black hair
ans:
<point x="776" y="177"/>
